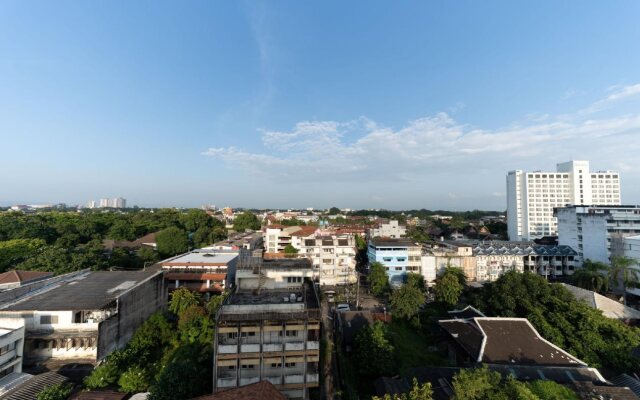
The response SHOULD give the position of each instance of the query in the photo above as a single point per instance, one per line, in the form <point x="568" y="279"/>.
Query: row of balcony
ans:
<point x="275" y="380"/>
<point x="267" y="347"/>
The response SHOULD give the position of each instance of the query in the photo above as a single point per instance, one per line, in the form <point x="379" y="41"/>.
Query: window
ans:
<point x="232" y="335"/>
<point x="398" y="268"/>
<point x="401" y="259"/>
<point x="248" y="366"/>
<point x="291" y="333"/>
<point x="290" y="365"/>
<point x="294" y="279"/>
<point x="48" y="319"/>
<point x="231" y="367"/>
<point x="276" y="365"/>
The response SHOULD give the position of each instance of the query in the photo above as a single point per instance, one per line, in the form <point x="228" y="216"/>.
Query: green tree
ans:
<point x="122" y="230"/>
<point x="625" y="271"/>
<point x="378" y="279"/>
<point x="195" y="325"/>
<point x="550" y="390"/>
<point x="104" y="375"/>
<point x="562" y="319"/>
<point x="418" y="392"/>
<point x="374" y="351"/>
<point x="592" y="276"/>
<point x="186" y="375"/>
<point x="475" y="384"/>
<point x="246" y="220"/>
<point x="134" y="380"/>
<point x="60" y="391"/>
<point x="195" y="219"/>
<point x="448" y="289"/>
<point x="334" y="211"/>
<point x="147" y="254"/>
<point x="361" y="244"/>
<point x="416" y="280"/>
<point x="406" y="301"/>
<point x="172" y="241"/>
<point x="290" y="251"/>
<point x="14" y="251"/>
<point x="182" y="299"/>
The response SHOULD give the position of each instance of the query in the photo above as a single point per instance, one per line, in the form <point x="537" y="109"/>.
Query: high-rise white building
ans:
<point x="532" y="196"/>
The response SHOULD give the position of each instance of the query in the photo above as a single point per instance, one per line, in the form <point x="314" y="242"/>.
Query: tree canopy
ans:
<point x="448" y="287"/>
<point x="172" y="241"/>
<point x="407" y="299"/>
<point x="246" y="220"/>
<point x="562" y="319"/>
<point x="374" y="351"/>
<point x="378" y="279"/>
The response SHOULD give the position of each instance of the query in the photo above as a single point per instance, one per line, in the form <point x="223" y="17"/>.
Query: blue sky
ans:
<point x="290" y="104"/>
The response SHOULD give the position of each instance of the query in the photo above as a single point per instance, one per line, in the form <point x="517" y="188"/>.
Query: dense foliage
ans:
<point x="62" y="242"/>
<point x="561" y="319"/>
<point x="169" y="355"/>
<point x="378" y="279"/>
<point x="481" y="383"/>
<point x="418" y="392"/>
<point x="246" y="220"/>
<point x="60" y="391"/>
<point x="448" y="286"/>
<point x="407" y="299"/>
<point x="374" y="353"/>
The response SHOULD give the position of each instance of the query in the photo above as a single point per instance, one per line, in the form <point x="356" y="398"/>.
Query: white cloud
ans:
<point x="437" y="150"/>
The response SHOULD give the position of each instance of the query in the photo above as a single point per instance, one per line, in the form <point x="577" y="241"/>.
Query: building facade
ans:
<point x="203" y="270"/>
<point x="532" y="196"/>
<point x="394" y="255"/>
<point x="83" y="316"/>
<point x="11" y="345"/>
<point x="333" y="257"/>
<point x="271" y="335"/>
<point x="597" y="232"/>
<point x="392" y="230"/>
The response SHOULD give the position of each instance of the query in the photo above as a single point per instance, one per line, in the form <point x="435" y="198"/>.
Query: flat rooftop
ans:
<point x="202" y="257"/>
<point x="90" y="291"/>
<point x="267" y="297"/>
<point x="390" y="242"/>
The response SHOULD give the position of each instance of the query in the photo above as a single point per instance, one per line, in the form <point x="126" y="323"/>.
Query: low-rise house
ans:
<point x="609" y="307"/>
<point x="245" y="240"/>
<point x="83" y="316"/>
<point x="17" y="278"/>
<point x="271" y="335"/>
<point x="203" y="270"/>
<point x="394" y="255"/>
<point x="391" y="229"/>
<point x="11" y="345"/>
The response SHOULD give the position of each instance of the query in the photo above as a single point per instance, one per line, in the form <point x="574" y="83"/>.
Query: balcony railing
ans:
<point x="227" y="349"/>
<point x="294" y="379"/>
<point x="248" y="381"/>
<point x="227" y="382"/>
<point x="313" y="345"/>
<point x="250" y="348"/>
<point x="294" y="346"/>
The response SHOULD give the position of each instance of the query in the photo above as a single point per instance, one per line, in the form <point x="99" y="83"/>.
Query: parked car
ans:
<point x="343" y="307"/>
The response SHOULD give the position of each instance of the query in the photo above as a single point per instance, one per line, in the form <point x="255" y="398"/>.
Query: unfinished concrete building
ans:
<point x="83" y="316"/>
<point x="271" y="335"/>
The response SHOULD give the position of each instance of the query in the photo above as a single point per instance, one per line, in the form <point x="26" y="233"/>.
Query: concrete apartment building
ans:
<point x="203" y="270"/>
<point x="83" y="315"/>
<point x="532" y="196"/>
<point x="487" y="261"/>
<point x="391" y="229"/>
<point x="332" y="252"/>
<point x="271" y="335"/>
<point x="11" y="345"/>
<point x="333" y="257"/>
<point x="256" y="273"/>
<point x="394" y="255"/>
<point x="597" y="232"/>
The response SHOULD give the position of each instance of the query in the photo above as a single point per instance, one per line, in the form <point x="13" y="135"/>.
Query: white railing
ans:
<point x="227" y="382"/>
<point x="294" y="379"/>
<point x="313" y="345"/>
<point x="272" y="347"/>
<point x="294" y="346"/>
<point x="227" y="348"/>
<point x="250" y="348"/>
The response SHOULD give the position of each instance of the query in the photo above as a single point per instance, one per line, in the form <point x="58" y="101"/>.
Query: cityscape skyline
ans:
<point x="391" y="108"/>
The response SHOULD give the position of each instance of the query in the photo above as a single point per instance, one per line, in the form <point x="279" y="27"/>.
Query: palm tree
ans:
<point x="593" y="275"/>
<point x="624" y="269"/>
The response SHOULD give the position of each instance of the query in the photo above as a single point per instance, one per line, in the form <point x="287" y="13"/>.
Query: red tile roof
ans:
<point x="262" y="390"/>
<point x="16" y="276"/>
